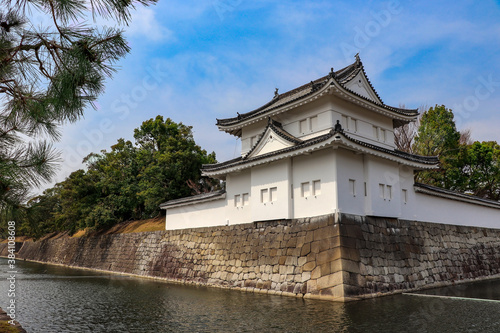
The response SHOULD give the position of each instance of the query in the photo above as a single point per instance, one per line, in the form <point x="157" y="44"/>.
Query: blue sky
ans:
<point x="195" y="61"/>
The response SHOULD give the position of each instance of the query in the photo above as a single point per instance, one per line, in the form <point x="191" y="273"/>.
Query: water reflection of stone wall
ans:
<point x="321" y="257"/>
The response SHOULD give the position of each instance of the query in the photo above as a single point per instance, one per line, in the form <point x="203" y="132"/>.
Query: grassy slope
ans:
<point x="155" y="224"/>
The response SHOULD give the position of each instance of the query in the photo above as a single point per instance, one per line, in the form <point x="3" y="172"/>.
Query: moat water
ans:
<point x="57" y="299"/>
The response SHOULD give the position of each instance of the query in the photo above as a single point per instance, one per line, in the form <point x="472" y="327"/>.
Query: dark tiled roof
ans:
<point x="341" y="76"/>
<point x="278" y="100"/>
<point x="429" y="160"/>
<point x="398" y="153"/>
<point x="433" y="190"/>
<point x="241" y="160"/>
<point x="195" y="198"/>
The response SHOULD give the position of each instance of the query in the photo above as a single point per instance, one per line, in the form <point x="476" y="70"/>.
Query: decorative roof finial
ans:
<point x="276" y="92"/>
<point x="338" y="127"/>
<point x="239" y="115"/>
<point x="332" y="72"/>
<point x="358" y="60"/>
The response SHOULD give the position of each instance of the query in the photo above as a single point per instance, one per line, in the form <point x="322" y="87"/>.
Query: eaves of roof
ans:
<point x="444" y="193"/>
<point x="339" y="138"/>
<point x="216" y="195"/>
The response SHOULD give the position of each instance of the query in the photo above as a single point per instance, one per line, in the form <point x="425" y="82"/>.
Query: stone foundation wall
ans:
<point x="292" y="257"/>
<point x="336" y="258"/>
<point x="391" y="255"/>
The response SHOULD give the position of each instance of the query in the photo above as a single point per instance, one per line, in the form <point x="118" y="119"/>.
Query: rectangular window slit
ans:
<point x="381" y="189"/>
<point x="273" y="194"/>
<point x="354" y="125"/>
<point x="345" y="122"/>
<point x="314" y="123"/>
<point x="352" y="187"/>
<point x="304" y="189"/>
<point x="303" y="126"/>
<point x="316" y="187"/>
<point x="264" y="195"/>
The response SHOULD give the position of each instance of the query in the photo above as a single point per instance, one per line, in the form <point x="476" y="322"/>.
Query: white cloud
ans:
<point x="145" y="24"/>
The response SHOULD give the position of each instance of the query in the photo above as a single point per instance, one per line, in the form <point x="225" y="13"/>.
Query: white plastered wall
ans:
<point x="308" y="120"/>
<point x="406" y="192"/>
<point x="441" y="210"/>
<point x="238" y="208"/>
<point x="383" y="187"/>
<point x="367" y="123"/>
<point x="350" y="180"/>
<point x="203" y="214"/>
<point x="314" y="184"/>
<point x="270" y="191"/>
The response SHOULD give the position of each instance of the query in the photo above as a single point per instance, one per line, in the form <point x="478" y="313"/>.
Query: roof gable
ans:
<point x="361" y="86"/>
<point x="274" y="138"/>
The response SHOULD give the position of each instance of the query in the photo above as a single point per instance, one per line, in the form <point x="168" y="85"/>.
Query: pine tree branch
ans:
<point x="61" y="34"/>
<point x="41" y="67"/>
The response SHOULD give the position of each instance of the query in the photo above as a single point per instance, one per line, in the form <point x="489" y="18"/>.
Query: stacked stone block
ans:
<point x="390" y="255"/>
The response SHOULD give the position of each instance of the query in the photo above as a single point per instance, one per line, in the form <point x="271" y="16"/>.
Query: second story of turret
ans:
<point x="345" y="96"/>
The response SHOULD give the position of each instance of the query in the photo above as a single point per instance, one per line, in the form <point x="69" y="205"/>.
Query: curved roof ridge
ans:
<point x="369" y="82"/>
<point x="274" y="100"/>
<point x="408" y="112"/>
<point x="304" y="86"/>
<point x="399" y="153"/>
<point x="341" y="77"/>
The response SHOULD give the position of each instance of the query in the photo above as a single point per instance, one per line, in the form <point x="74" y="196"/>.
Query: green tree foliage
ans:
<point x="465" y="166"/>
<point x="170" y="158"/>
<point x="128" y="182"/>
<point x="477" y="169"/>
<point x="437" y="133"/>
<point x="437" y="136"/>
<point x="48" y="76"/>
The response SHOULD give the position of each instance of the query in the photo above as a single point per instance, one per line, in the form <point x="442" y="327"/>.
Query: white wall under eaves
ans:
<point x="430" y="208"/>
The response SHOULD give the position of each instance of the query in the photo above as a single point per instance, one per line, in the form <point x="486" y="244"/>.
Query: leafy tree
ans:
<point x="40" y="214"/>
<point x="128" y="182"/>
<point x="172" y="162"/>
<point x="465" y="166"/>
<point x="478" y="169"/>
<point x="437" y="136"/>
<point x="114" y="175"/>
<point x="437" y="133"/>
<point x="48" y="76"/>
<point x="78" y="195"/>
